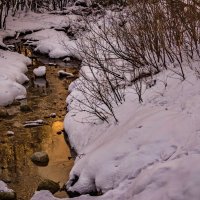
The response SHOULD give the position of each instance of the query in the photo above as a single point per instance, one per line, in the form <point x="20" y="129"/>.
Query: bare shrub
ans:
<point x="128" y="46"/>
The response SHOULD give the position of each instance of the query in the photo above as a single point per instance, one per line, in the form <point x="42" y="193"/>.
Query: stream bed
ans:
<point x="44" y="98"/>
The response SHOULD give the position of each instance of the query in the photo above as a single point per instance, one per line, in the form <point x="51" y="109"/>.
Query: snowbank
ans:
<point x="13" y="67"/>
<point x="30" y="22"/>
<point x="54" y="43"/>
<point x="150" y="152"/>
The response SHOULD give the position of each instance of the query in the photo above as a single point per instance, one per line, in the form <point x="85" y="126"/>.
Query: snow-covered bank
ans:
<point x="30" y="22"/>
<point x="13" y="67"/>
<point x="55" y="44"/>
<point x="152" y="147"/>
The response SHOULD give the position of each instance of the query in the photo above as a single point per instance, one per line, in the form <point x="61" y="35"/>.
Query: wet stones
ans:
<point x="40" y="158"/>
<point x="49" y="185"/>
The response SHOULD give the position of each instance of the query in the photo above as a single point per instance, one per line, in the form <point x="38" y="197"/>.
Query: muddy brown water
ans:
<point x="44" y="96"/>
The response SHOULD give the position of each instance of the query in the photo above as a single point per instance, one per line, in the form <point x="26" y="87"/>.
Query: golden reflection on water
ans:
<point x="58" y="151"/>
<point x="16" y="167"/>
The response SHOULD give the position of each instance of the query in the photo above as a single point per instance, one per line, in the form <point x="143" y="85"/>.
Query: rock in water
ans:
<point x="62" y="74"/>
<point x="82" y="3"/>
<point x="50" y="185"/>
<point x="40" y="158"/>
<point x="8" y="195"/>
<point x="10" y="133"/>
<point x="40" y="71"/>
<point x="25" y="108"/>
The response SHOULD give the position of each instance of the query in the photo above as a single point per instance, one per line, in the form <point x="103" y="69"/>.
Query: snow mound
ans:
<point x="40" y="71"/>
<point x="13" y="67"/>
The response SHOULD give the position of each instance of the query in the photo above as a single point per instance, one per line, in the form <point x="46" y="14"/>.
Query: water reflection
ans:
<point x="58" y="153"/>
<point x="41" y="84"/>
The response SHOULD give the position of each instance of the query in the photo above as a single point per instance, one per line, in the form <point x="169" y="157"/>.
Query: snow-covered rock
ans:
<point x="29" y="124"/>
<point x="67" y="59"/>
<point x="40" y="71"/>
<point x="62" y="73"/>
<point x="10" y="133"/>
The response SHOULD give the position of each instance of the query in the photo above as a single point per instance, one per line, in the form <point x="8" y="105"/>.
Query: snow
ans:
<point x="62" y="73"/>
<point x="45" y="24"/>
<point x="40" y="71"/>
<point x="4" y="187"/>
<point x="10" y="133"/>
<point x="54" y="43"/>
<point x="149" y="152"/>
<point x="48" y="41"/>
<point x="154" y="149"/>
<point x="35" y="123"/>
<point x="13" y="67"/>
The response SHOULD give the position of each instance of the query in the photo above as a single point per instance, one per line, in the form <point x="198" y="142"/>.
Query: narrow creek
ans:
<point x="44" y="97"/>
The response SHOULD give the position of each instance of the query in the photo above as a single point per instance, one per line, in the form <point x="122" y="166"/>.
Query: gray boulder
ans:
<point x="40" y="158"/>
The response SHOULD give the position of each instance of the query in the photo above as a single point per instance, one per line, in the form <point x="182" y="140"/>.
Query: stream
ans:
<point x="44" y="97"/>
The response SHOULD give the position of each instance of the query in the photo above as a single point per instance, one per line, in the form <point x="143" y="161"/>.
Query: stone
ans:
<point x="8" y="195"/>
<point x="3" y="112"/>
<point x="10" y="133"/>
<point x="52" y="115"/>
<point x="82" y="3"/>
<point x="13" y="111"/>
<point x="67" y="59"/>
<point x="49" y="185"/>
<point x="40" y="158"/>
<point x="62" y="74"/>
<point x="25" y="108"/>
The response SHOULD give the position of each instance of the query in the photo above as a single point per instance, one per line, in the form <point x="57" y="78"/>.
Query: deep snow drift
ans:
<point x="160" y="137"/>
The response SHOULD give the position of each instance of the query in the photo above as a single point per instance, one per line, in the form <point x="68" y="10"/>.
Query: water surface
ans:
<point x="45" y="96"/>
